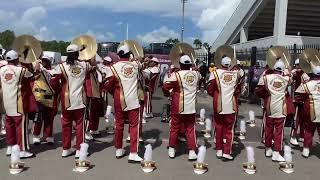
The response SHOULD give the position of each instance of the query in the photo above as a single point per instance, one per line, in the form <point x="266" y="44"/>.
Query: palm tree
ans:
<point x="197" y="43"/>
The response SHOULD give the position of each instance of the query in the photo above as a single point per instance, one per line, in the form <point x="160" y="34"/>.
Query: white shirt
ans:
<point x="75" y="76"/>
<point x="11" y="82"/>
<point x="277" y="85"/>
<point x="312" y="88"/>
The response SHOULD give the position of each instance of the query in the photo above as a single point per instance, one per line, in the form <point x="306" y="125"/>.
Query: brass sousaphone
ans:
<point x="224" y="51"/>
<point x="28" y="48"/>
<point x="308" y="59"/>
<point x="134" y="47"/>
<point x="178" y="50"/>
<point x="277" y="52"/>
<point x="88" y="47"/>
<point x="29" y="51"/>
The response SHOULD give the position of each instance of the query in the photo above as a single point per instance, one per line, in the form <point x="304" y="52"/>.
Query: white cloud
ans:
<point x="27" y="23"/>
<point x="208" y="15"/>
<point x="119" y="23"/>
<point x="158" y="35"/>
<point x="108" y="36"/>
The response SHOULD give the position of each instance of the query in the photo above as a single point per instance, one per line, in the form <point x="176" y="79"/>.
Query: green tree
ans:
<point x="172" y="41"/>
<point x="197" y="43"/>
<point x="6" y="38"/>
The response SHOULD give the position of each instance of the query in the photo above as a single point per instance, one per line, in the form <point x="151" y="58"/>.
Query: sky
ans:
<point x="148" y="20"/>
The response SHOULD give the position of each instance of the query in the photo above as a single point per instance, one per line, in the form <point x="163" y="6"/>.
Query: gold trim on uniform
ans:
<point x="122" y="97"/>
<point x="67" y="103"/>
<point x="181" y="98"/>
<point x="19" y="94"/>
<point x="219" y="108"/>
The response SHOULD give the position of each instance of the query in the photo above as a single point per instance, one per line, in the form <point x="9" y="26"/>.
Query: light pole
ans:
<point x="182" y="26"/>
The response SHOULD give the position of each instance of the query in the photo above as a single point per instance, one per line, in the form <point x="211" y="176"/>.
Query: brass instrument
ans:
<point x="134" y="47"/>
<point x="28" y="48"/>
<point x="178" y="50"/>
<point x="308" y="59"/>
<point x="88" y="47"/>
<point x="277" y="52"/>
<point x="224" y="51"/>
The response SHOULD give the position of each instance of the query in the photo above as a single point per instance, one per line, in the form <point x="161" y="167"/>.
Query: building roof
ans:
<point x="258" y="17"/>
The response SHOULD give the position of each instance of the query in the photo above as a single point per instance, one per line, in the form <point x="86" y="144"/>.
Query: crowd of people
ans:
<point x="81" y="88"/>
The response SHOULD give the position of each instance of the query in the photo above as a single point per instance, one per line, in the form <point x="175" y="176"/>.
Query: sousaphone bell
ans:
<point x="28" y="48"/>
<point x="178" y="50"/>
<point x="224" y="51"/>
<point x="87" y="45"/>
<point x="308" y="59"/>
<point x="277" y="52"/>
<point x="134" y="47"/>
<point x="29" y="51"/>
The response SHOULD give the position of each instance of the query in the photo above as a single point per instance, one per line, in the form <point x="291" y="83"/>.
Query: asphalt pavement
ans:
<point x="48" y="163"/>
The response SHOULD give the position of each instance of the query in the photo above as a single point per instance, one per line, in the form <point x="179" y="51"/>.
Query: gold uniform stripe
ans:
<point x="19" y="95"/>
<point x="219" y="108"/>
<point x="181" y="99"/>
<point x="122" y="97"/>
<point x="67" y="103"/>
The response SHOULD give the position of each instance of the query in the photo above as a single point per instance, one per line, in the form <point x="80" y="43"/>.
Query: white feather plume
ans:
<point x="201" y="154"/>
<point x="15" y="154"/>
<point x="148" y="153"/>
<point x="287" y="154"/>
<point x="208" y="124"/>
<point x="243" y="126"/>
<point x="109" y="110"/>
<point x="109" y="113"/>
<point x="202" y="114"/>
<point x="83" y="151"/>
<point x="250" y="154"/>
<point x="251" y="115"/>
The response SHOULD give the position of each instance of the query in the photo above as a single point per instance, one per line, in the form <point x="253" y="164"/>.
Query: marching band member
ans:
<point x="95" y="104"/>
<point x="104" y="69"/>
<point x="223" y="87"/>
<point x="273" y="88"/>
<point x="46" y="113"/>
<point x="122" y="83"/>
<point x="14" y="82"/>
<point x="309" y="93"/>
<point x="297" y="130"/>
<point x="3" y="62"/>
<point x="73" y="98"/>
<point x="151" y="84"/>
<point x="183" y="86"/>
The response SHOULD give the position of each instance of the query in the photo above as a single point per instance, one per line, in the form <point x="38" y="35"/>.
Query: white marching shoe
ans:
<point x="26" y="154"/>
<point x="9" y="150"/>
<point x="36" y="140"/>
<point x="192" y="155"/>
<point x="120" y="153"/>
<point x="144" y="121"/>
<point x="67" y="153"/>
<point x="128" y="139"/>
<point x="50" y="140"/>
<point x="140" y="139"/>
<point x="277" y="157"/>
<point x="294" y="141"/>
<point x="227" y="157"/>
<point x="219" y="154"/>
<point x="171" y="152"/>
<point x="269" y="152"/>
<point x="88" y="136"/>
<point x="306" y="152"/>
<point x="134" y="158"/>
